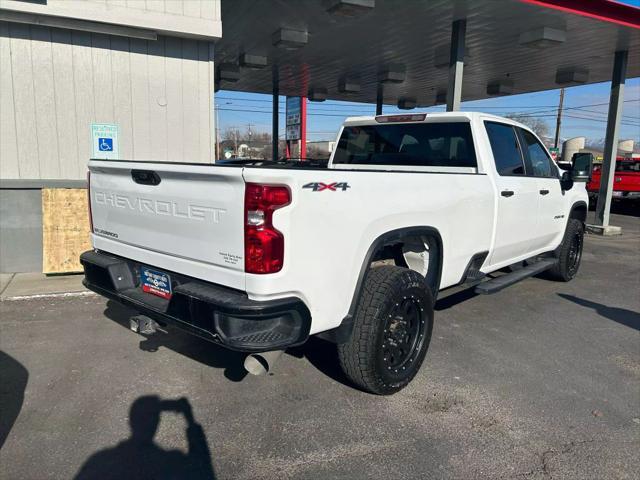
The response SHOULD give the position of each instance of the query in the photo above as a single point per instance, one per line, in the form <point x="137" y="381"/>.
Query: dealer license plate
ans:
<point x="155" y="282"/>
<point x="617" y="194"/>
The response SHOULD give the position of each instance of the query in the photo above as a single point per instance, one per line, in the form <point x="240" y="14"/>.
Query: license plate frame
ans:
<point x="155" y="282"/>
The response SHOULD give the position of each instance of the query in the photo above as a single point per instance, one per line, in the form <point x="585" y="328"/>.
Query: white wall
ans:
<point x="54" y="83"/>
<point x="183" y="18"/>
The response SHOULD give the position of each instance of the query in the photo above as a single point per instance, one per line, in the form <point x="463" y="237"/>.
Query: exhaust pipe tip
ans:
<point x="261" y="363"/>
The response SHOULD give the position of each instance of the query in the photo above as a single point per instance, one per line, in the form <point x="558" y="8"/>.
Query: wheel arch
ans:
<point x="342" y="333"/>
<point x="579" y="211"/>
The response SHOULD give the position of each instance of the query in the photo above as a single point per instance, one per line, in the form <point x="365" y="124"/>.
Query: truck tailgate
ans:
<point x="184" y="218"/>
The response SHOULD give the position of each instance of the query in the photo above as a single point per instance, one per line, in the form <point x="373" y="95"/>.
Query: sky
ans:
<point x="585" y="110"/>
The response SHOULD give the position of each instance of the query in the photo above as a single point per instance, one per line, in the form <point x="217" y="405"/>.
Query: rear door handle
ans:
<point x="507" y="193"/>
<point x="544" y="192"/>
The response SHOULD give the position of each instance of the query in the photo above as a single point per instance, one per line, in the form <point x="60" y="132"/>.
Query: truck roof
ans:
<point x="413" y="117"/>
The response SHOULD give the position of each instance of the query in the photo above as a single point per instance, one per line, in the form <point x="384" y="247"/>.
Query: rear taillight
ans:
<point x="263" y="244"/>
<point x="89" y="200"/>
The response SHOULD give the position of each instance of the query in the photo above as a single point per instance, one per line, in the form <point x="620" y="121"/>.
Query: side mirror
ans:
<point x="582" y="164"/>
<point x="566" y="181"/>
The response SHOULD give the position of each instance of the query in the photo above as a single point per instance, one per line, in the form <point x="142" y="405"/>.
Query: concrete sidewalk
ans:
<point x="21" y="285"/>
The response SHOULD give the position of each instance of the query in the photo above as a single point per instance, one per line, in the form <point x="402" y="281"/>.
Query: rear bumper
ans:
<point x="219" y="314"/>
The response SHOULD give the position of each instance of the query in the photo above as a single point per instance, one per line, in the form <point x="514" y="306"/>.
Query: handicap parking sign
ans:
<point x="105" y="144"/>
<point x="104" y="138"/>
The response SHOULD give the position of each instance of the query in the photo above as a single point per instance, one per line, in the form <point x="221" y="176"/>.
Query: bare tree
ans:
<point x="538" y="125"/>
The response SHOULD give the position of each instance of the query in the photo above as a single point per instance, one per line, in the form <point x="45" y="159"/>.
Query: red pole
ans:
<point x="303" y="128"/>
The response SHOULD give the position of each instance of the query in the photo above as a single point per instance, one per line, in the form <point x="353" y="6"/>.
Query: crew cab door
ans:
<point x="517" y="201"/>
<point x="550" y="217"/>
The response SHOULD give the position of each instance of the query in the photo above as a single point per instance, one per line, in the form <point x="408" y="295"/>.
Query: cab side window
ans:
<point x="505" y="148"/>
<point x="541" y="163"/>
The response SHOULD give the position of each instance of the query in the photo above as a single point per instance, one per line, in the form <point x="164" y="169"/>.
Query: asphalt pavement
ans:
<point x="539" y="381"/>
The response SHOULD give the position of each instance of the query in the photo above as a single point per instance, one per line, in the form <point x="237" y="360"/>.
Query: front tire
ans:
<point x="570" y="253"/>
<point x="392" y="330"/>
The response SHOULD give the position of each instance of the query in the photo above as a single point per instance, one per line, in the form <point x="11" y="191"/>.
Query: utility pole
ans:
<point x="218" y="157"/>
<point x="559" y="120"/>
<point x="249" y="125"/>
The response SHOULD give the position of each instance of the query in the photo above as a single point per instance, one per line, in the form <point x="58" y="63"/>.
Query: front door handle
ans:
<point x="544" y="192"/>
<point x="507" y="193"/>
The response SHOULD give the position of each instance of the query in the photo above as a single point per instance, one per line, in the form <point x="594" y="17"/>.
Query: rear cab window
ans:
<point x="428" y="144"/>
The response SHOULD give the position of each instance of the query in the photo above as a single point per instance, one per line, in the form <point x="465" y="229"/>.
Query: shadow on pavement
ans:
<point x="623" y="316"/>
<point x="139" y="457"/>
<point x="190" y="346"/>
<point x="13" y="382"/>
<point x="323" y="355"/>
<point x="628" y="208"/>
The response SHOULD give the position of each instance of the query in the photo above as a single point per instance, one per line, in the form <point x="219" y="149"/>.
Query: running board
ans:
<point x="499" y="283"/>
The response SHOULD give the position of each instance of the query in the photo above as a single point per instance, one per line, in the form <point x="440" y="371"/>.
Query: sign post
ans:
<point x="296" y="124"/>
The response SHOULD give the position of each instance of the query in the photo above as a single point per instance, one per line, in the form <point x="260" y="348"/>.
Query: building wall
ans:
<point x="20" y="230"/>
<point x="146" y="66"/>
<point x="182" y="18"/>
<point x="54" y="83"/>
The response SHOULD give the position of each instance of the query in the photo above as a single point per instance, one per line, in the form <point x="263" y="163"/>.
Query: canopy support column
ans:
<point x="275" y="115"/>
<point x="616" y="102"/>
<point x="456" y="64"/>
<point x="379" y="98"/>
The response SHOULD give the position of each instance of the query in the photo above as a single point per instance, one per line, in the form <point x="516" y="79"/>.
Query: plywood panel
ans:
<point x="9" y="165"/>
<point x="65" y="229"/>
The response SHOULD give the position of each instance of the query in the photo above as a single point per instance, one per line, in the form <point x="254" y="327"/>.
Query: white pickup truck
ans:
<point x="259" y="257"/>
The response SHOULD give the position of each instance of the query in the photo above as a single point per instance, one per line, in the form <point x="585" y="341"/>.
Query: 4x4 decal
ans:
<point x="332" y="187"/>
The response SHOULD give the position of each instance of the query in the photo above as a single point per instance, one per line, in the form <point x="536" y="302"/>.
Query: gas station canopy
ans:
<point x="345" y="49"/>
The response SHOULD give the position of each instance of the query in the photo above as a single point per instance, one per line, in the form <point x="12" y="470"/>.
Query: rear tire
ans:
<point x="392" y="330"/>
<point x="570" y="252"/>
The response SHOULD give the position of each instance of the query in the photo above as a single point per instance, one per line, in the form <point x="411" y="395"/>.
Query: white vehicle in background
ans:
<point x="258" y="258"/>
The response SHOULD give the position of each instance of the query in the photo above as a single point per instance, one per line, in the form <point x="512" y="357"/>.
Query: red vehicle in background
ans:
<point x="626" y="181"/>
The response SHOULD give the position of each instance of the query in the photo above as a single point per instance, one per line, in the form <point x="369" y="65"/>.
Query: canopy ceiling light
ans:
<point x="289" y="39"/>
<point x="407" y="103"/>
<point x="317" y="94"/>
<point x="542" y="37"/>
<point x="393" y="73"/>
<point x="228" y="72"/>
<point x="255" y="62"/>
<point x="350" y="8"/>
<point x="500" y="88"/>
<point x="348" y="85"/>
<point x="572" y="75"/>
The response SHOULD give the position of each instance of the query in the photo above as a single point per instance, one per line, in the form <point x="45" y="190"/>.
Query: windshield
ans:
<point x="444" y="144"/>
